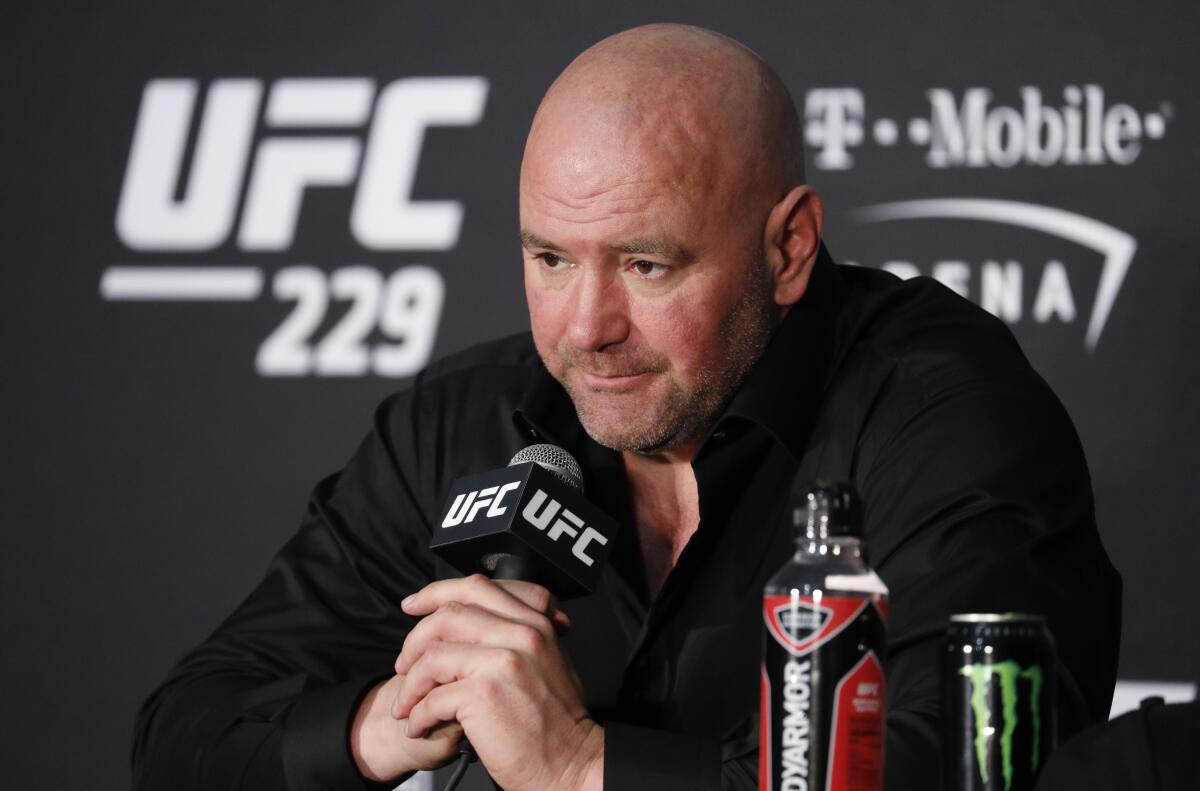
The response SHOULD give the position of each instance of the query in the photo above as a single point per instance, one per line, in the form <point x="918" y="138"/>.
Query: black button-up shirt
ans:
<point x="976" y="499"/>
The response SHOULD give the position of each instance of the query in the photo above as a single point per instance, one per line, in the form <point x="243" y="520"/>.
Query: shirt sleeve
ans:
<point x="266" y="701"/>
<point x="977" y="498"/>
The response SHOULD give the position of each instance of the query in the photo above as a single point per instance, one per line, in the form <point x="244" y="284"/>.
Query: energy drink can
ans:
<point x="998" y="700"/>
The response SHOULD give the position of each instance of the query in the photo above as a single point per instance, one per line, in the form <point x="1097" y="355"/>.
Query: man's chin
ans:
<point x="632" y="433"/>
<point x="621" y="429"/>
<point x="623" y="418"/>
<point x="625" y="441"/>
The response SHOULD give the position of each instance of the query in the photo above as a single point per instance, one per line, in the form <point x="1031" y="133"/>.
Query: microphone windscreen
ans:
<point x="553" y="459"/>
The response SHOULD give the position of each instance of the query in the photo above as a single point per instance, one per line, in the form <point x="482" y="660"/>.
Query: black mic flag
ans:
<point x="527" y="521"/>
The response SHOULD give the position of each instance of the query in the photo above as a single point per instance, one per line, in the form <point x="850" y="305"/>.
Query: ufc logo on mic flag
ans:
<point x="527" y="511"/>
<point x="467" y="506"/>
<point x="539" y="513"/>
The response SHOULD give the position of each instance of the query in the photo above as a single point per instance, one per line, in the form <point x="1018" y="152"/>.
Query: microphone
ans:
<point x="527" y="521"/>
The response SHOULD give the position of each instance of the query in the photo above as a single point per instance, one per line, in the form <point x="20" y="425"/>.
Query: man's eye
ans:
<point x="550" y="260"/>
<point x="649" y="268"/>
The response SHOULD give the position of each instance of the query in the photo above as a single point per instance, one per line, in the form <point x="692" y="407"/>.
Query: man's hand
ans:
<point x="487" y="656"/>
<point x="380" y="747"/>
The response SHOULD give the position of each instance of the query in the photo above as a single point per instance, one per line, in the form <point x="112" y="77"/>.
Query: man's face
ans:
<point x="648" y="298"/>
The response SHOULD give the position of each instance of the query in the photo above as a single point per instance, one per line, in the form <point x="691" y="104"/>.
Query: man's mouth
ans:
<point x="614" y="381"/>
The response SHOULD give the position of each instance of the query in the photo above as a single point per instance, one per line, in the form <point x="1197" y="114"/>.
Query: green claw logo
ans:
<point x="1009" y="672"/>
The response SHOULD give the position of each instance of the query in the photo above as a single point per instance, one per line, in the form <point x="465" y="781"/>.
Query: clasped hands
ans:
<point x="484" y="660"/>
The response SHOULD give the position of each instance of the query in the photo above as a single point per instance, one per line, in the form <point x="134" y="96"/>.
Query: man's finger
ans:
<point x="444" y="663"/>
<point x="455" y="622"/>
<point x="533" y="595"/>
<point x="440" y="705"/>
<point x="509" y="598"/>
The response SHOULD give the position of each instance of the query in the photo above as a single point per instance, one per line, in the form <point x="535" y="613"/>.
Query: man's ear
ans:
<point x="791" y="239"/>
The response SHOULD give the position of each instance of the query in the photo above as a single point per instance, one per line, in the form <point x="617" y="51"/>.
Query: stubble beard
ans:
<point x="684" y="414"/>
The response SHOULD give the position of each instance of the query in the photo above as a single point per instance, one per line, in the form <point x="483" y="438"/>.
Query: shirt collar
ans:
<point x="781" y="392"/>
<point x="545" y="413"/>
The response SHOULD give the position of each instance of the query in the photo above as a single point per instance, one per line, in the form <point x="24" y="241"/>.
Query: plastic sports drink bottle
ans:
<point x="825" y="613"/>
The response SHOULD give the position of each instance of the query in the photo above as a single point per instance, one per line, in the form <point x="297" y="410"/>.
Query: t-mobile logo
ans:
<point x="834" y="124"/>
<point x="975" y="128"/>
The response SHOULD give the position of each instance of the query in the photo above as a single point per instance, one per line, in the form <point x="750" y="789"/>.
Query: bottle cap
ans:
<point x="824" y="508"/>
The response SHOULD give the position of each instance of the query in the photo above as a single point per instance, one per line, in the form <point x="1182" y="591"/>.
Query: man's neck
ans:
<point x="666" y="507"/>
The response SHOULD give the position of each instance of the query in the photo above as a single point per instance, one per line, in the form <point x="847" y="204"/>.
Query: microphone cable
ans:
<point x="466" y="756"/>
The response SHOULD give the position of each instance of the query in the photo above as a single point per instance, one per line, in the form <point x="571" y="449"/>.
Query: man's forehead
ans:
<point x="578" y="171"/>
<point x="576" y="153"/>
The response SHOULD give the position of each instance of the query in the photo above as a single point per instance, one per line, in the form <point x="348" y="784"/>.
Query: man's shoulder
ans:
<point x="482" y="378"/>
<point x="906" y="347"/>
<point x="922" y="327"/>
<point x="927" y="373"/>
<point x="458" y="411"/>
<point x="510" y="358"/>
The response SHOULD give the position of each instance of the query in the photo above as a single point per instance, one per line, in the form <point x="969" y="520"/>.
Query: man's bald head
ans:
<point x="683" y="93"/>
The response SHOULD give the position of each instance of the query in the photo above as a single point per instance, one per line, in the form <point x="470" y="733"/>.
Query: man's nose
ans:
<point x="599" y="312"/>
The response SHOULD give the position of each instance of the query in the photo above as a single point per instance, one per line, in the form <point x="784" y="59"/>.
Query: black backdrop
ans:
<point x="156" y="455"/>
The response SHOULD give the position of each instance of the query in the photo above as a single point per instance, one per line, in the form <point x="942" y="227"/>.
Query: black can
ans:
<point x="998" y="702"/>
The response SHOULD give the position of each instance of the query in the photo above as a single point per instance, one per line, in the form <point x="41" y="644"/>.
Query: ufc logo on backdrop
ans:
<point x="383" y="215"/>
<point x="183" y="196"/>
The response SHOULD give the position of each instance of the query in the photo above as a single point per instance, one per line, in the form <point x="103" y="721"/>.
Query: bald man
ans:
<point x="695" y="347"/>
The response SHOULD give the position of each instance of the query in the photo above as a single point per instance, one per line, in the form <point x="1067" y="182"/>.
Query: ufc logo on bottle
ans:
<point x="383" y="215"/>
<point x="540" y="512"/>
